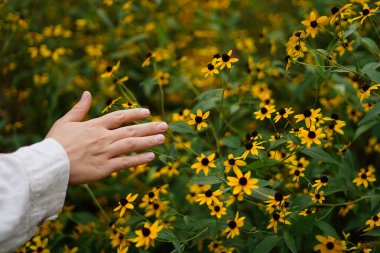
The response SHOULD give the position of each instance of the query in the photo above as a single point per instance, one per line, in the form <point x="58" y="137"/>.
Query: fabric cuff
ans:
<point x="48" y="168"/>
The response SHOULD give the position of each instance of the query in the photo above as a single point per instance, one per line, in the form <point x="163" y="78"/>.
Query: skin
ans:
<point x="98" y="147"/>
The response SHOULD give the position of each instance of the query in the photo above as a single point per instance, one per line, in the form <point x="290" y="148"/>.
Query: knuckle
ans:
<point x="126" y="162"/>
<point x="119" y="116"/>
<point x="132" y="131"/>
<point x="131" y="145"/>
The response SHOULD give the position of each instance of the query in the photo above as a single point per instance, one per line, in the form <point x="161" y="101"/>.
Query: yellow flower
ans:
<point x="181" y="115"/>
<point x="233" y="226"/>
<point x="199" y="119"/>
<point x="283" y="113"/>
<point x="126" y="203"/>
<point x="276" y="218"/>
<point x="365" y="176"/>
<point x="365" y="90"/>
<point x="317" y="196"/>
<point x="309" y="115"/>
<point x="233" y="163"/>
<point x="329" y="245"/>
<point x="373" y="222"/>
<point x="242" y="183"/>
<point x="278" y="200"/>
<point x="320" y="182"/>
<point x="204" y="163"/>
<point x="129" y="105"/>
<point x="307" y="212"/>
<point x="253" y="148"/>
<point x="217" y="209"/>
<point x="147" y="234"/>
<point x="110" y="70"/>
<point x="265" y="112"/>
<point x="314" y="23"/>
<point x="110" y="103"/>
<point x="210" y="70"/>
<point x="162" y="77"/>
<point x="311" y="136"/>
<point x="365" y="13"/>
<point x="209" y="197"/>
<point x="297" y="173"/>
<point x="39" y="245"/>
<point x="226" y="60"/>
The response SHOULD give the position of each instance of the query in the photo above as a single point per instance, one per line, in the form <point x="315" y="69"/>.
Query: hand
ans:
<point x="95" y="147"/>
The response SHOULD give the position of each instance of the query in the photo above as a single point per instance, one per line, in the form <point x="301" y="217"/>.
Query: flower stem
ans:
<point x="97" y="202"/>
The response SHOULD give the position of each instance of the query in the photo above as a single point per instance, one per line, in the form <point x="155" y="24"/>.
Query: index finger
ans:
<point x="116" y="119"/>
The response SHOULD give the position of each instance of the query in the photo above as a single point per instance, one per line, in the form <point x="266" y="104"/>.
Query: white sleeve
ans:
<point x="33" y="185"/>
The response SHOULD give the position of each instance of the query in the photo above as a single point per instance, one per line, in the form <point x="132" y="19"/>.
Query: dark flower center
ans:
<point x="108" y="101"/>
<point x="243" y="181"/>
<point x="334" y="116"/>
<point x="276" y="216"/>
<point x="210" y="66"/>
<point x="324" y="179"/>
<point x="123" y="202"/>
<point x="308" y="211"/>
<point x="282" y="111"/>
<point x="198" y="119"/>
<point x="297" y="172"/>
<point x="231" y="161"/>
<point x="254" y="133"/>
<point x="363" y="176"/>
<point x="365" y="12"/>
<point x="208" y="193"/>
<point x="225" y="57"/>
<point x="217" y="208"/>
<point x="156" y="206"/>
<point x="365" y="87"/>
<point x="297" y="47"/>
<point x="216" y="56"/>
<point x="330" y="245"/>
<point x="307" y="113"/>
<point x="332" y="125"/>
<point x="299" y="165"/>
<point x="313" y="24"/>
<point x="375" y="218"/>
<point x="311" y="135"/>
<point x="148" y="55"/>
<point x="232" y="224"/>
<point x="278" y="196"/>
<point x="248" y="146"/>
<point x="109" y="69"/>
<point x="145" y="231"/>
<point x="151" y="194"/>
<point x="263" y="110"/>
<point x="317" y="196"/>
<point x="205" y="161"/>
<point x="334" y="10"/>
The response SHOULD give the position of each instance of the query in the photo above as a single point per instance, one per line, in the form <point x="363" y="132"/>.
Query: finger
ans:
<point x="79" y="111"/>
<point x="124" y="162"/>
<point x="132" y="144"/>
<point x="115" y="119"/>
<point x="140" y="130"/>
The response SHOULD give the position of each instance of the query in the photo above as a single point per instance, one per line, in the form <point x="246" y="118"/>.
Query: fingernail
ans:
<point x="162" y="126"/>
<point x="160" y="138"/>
<point x="150" y="156"/>
<point x="145" y="112"/>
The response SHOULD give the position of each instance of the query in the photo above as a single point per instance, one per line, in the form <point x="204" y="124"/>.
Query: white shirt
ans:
<point x="33" y="185"/>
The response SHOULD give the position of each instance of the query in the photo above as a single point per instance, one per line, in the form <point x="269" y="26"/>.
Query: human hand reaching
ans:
<point x="96" y="147"/>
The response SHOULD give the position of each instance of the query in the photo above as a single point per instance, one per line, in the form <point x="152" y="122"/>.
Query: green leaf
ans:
<point x="262" y="163"/>
<point x="148" y="85"/>
<point x="320" y="155"/>
<point x="274" y="144"/>
<point x="374" y="201"/>
<point x="364" y="128"/>
<point x="166" y="234"/>
<point x="375" y="232"/>
<point x="181" y="127"/>
<point x="370" y="45"/>
<point x="262" y="193"/>
<point x="266" y="245"/>
<point x="105" y="18"/>
<point x="206" y="180"/>
<point x="213" y="229"/>
<point x="289" y="241"/>
<point x="213" y="93"/>
<point x="231" y="141"/>
<point x="302" y="202"/>
<point x="373" y="74"/>
<point x="353" y="27"/>
<point x="371" y="115"/>
<point x="327" y="228"/>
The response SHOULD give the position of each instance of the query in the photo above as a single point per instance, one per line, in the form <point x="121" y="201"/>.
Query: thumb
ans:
<point x="79" y="111"/>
